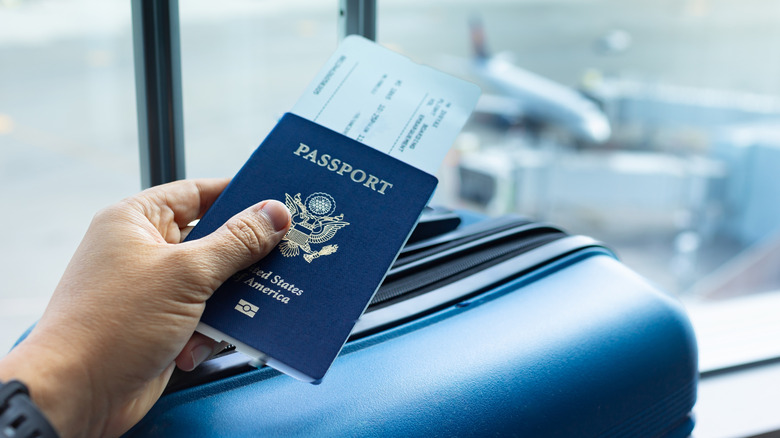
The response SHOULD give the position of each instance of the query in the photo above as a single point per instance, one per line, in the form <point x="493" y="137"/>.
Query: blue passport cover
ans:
<point x="353" y="207"/>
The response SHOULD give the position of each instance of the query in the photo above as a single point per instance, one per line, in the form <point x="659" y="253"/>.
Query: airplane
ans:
<point x="533" y="98"/>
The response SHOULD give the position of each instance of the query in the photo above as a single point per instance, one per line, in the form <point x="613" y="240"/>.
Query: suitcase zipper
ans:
<point x="444" y="266"/>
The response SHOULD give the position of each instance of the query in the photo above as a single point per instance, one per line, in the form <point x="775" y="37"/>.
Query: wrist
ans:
<point x="57" y="384"/>
<point x="19" y="416"/>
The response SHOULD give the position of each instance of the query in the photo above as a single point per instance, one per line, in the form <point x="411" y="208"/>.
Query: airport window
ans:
<point x="68" y="139"/>
<point x="652" y="126"/>
<point x="663" y="149"/>
<point x="242" y="68"/>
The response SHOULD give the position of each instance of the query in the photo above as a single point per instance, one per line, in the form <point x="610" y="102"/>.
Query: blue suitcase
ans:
<point x="499" y="328"/>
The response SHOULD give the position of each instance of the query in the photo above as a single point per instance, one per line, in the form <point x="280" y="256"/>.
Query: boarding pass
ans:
<point x="385" y="100"/>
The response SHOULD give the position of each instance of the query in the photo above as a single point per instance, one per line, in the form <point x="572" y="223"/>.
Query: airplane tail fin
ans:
<point x="478" y="37"/>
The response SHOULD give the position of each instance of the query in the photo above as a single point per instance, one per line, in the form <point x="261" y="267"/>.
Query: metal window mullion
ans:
<point x="157" y="53"/>
<point x="357" y="17"/>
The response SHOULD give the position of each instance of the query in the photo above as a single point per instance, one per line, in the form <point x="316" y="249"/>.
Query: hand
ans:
<point x="127" y="305"/>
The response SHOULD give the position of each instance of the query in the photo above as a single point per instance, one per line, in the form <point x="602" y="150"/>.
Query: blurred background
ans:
<point x="652" y="125"/>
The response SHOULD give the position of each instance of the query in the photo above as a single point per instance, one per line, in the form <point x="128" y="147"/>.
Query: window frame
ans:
<point x="157" y="59"/>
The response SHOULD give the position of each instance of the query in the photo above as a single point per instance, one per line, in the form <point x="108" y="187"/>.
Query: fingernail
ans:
<point x="277" y="213"/>
<point x="199" y="354"/>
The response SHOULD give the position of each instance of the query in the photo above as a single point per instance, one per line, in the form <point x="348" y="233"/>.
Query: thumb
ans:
<point x="243" y="239"/>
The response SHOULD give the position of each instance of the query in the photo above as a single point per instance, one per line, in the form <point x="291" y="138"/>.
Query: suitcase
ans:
<point x="500" y="327"/>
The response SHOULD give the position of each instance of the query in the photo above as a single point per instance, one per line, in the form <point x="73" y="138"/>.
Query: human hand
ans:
<point x="127" y="305"/>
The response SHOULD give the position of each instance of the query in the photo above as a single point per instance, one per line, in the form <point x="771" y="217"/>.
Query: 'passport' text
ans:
<point x="343" y="168"/>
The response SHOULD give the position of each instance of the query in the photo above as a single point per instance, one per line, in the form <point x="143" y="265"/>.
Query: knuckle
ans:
<point x="102" y="215"/>
<point x="250" y="234"/>
<point x="109" y="214"/>
<point x="191" y="276"/>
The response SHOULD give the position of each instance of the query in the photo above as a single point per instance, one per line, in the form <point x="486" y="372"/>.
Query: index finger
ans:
<point x="187" y="199"/>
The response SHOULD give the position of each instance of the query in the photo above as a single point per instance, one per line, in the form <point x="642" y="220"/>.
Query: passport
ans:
<point x="353" y="208"/>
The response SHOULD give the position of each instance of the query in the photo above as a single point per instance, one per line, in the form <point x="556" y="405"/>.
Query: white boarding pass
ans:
<point x="384" y="100"/>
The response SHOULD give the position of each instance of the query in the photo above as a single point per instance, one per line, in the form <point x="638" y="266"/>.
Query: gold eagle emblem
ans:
<point x="312" y="224"/>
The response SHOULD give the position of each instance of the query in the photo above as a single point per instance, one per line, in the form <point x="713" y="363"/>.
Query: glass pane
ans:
<point x="68" y="140"/>
<point x="653" y="126"/>
<point x="244" y="64"/>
